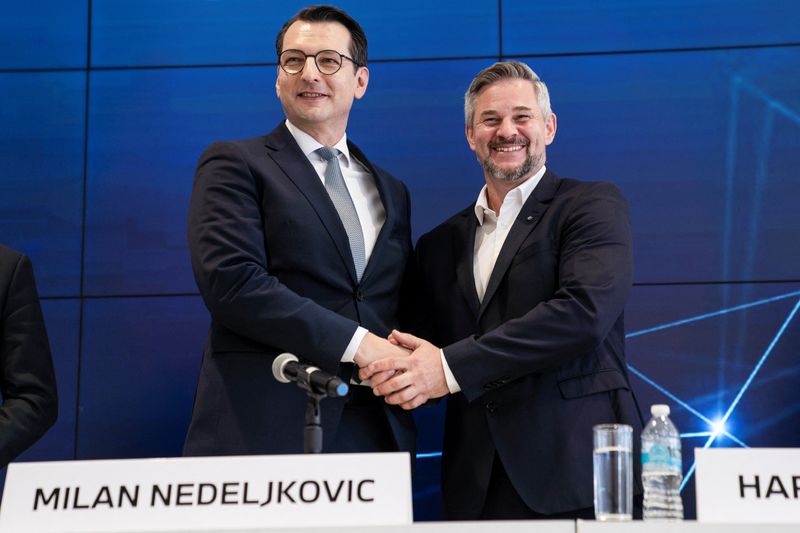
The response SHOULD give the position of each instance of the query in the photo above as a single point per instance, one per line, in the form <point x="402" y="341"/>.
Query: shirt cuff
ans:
<point x="452" y="384"/>
<point x="349" y="355"/>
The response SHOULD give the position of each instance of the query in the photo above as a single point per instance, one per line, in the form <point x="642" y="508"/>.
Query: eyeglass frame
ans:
<point x="341" y="55"/>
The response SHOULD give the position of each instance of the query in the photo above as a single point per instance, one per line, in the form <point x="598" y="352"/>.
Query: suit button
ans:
<point x="491" y="406"/>
<point x="359" y="296"/>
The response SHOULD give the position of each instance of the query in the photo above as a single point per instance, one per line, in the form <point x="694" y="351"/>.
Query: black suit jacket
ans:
<point x="272" y="261"/>
<point x="27" y="379"/>
<point x="541" y="360"/>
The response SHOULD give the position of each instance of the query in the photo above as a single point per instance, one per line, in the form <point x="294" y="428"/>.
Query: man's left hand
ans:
<point x="408" y="381"/>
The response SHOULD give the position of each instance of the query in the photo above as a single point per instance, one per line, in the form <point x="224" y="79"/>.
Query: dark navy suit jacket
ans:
<point x="27" y="379"/>
<point x="541" y="360"/>
<point x="273" y="264"/>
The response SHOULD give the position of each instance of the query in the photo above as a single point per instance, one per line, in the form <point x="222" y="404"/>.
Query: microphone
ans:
<point x="287" y="368"/>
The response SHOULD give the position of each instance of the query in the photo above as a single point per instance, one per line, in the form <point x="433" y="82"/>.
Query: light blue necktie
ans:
<point x="337" y="190"/>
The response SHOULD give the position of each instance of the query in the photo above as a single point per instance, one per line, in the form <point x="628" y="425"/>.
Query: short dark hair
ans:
<point x="358" y="39"/>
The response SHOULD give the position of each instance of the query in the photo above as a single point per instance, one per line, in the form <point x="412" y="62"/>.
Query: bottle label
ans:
<point x="659" y="456"/>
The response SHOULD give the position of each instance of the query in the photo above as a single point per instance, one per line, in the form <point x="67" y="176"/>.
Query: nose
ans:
<point x="310" y="70"/>
<point x="507" y="128"/>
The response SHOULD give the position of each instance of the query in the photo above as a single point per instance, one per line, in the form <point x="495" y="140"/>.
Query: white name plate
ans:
<point x="206" y="493"/>
<point x="748" y="485"/>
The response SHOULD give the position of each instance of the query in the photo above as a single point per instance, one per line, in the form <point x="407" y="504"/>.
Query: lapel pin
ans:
<point x="530" y="217"/>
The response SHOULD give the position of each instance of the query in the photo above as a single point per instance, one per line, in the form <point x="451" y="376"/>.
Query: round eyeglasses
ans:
<point x="327" y="61"/>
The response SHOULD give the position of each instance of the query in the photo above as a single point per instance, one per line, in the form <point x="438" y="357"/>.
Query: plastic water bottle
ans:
<point x="661" y="467"/>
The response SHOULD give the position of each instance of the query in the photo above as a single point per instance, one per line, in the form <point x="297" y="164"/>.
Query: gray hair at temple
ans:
<point x="505" y="70"/>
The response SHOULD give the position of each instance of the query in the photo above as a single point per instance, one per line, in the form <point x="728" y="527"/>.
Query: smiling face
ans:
<point x="509" y="132"/>
<point x="317" y="103"/>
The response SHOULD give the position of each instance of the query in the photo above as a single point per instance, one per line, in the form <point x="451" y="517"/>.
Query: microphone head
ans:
<point x="341" y="390"/>
<point x="279" y="363"/>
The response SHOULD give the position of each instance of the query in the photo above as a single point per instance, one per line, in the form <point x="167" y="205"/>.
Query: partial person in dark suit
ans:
<point x="284" y="264"/>
<point x="27" y="379"/>
<point x="525" y="291"/>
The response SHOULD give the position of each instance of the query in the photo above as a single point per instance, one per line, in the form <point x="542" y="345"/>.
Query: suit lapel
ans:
<point x="283" y="149"/>
<point x="464" y="249"/>
<point x="528" y="217"/>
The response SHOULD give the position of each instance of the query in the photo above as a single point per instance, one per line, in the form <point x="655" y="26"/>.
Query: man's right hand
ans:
<point x="408" y="381"/>
<point x="373" y="348"/>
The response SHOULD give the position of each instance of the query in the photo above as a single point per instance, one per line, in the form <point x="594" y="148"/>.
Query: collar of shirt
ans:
<point x="309" y="144"/>
<point x="513" y="201"/>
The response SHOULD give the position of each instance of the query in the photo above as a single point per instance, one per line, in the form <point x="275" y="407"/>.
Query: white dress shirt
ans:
<point x="490" y="235"/>
<point x="366" y="199"/>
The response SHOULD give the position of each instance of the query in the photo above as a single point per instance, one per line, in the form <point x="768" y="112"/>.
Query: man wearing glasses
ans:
<point x="299" y="244"/>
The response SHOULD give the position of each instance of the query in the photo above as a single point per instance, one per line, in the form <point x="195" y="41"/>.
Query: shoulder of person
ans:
<point x="446" y="231"/>
<point x="8" y="254"/>
<point x="585" y="188"/>
<point x="9" y="260"/>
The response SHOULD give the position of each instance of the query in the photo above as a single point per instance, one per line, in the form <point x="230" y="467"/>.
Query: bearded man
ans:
<point x="524" y="291"/>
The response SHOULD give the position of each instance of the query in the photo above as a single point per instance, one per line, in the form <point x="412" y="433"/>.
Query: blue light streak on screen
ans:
<point x="712" y="314"/>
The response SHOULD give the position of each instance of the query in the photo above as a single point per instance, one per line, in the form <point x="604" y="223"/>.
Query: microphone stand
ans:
<point x="312" y="433"/>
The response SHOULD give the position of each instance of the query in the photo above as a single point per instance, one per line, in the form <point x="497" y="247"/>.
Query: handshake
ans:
<point x="405" y="370"/>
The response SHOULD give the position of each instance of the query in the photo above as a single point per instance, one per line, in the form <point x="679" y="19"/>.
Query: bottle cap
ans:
<point x="659" y="409"/>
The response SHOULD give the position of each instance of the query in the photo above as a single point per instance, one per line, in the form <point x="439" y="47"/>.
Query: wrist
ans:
<point x="361" y="356"/>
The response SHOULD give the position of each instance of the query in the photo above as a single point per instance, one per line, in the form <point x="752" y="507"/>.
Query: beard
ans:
<point x="511" y="174"/>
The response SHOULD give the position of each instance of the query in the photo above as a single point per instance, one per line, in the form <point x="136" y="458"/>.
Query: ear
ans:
<point x="278" y="83"/>
<point x="362" y="80"/>
<point x="469" y="131"/>
<point x="550" y="129"/>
